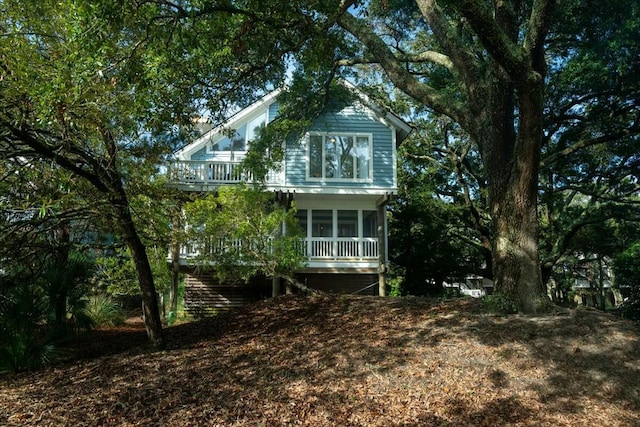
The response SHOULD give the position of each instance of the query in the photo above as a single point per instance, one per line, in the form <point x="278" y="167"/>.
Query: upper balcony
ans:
<point x="198" y="175"/>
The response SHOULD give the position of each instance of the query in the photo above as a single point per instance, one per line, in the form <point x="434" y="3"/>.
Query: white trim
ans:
<point x="331" y="189"/>
<point x="298" y="189"/>
<point x="339" y="264"/>
<point x="394" y="156"/>
<point x="366" y="203"/>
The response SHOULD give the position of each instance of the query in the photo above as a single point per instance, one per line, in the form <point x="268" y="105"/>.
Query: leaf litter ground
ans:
<point x="344" y="361"/>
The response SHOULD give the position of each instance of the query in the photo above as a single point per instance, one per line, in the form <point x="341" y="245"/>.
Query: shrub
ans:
<point x="24" y="342"/>
<point x="499" y="304"/>
<point x="103" y="311"/>
<point x="24" y="349"/>
<point x="630" y="308"/>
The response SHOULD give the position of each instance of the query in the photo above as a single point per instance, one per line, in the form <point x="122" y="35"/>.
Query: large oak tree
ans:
<point x="491" y="58"/>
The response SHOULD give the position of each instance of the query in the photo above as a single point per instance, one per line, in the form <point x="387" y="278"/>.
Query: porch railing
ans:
<point x="316" y="248"/>
<point x="341" y="248"/>
<point x="214" y="172"/>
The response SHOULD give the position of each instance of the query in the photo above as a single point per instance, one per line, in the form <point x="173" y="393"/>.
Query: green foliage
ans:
<point x="499" y="304"/>
<point x="23" y="334"/>
<point x="22" y="349"/>
<point x="627" y="269"/>
<point x="104" y="311"/>
<point x="432" y="235"/>
<point x="242" y="231"/>
<point x="40" y="307"/>
<point x="105" y="91"/>
<point x="630" y="308"/>
<point x="116" y="273"/>
<point x="65" y="283"/>
<point x="395" y="283"/>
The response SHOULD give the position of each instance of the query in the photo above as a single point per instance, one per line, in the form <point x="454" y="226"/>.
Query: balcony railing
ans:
<point x="341" y="248"/>
<point x="316" y="248"/>
<point x="214" y="172"/>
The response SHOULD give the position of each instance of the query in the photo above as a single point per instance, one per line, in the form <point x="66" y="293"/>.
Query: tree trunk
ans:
<point x="151" y="312"/>
<point x="382" y="250"/>
<point x="512" y="161"/>
<point x="63" y="243"/>
<point x="516" y="266"/>
<point x="175" y="270"/>
<point x="603" y="301"/>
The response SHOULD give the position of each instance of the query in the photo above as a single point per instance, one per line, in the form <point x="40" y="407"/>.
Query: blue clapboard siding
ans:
<point x="351" y="119"/>
<point x="273" y="111"/>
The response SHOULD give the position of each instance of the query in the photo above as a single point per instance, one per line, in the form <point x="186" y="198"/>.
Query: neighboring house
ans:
<point x="593" y="280"/>
<point x="473" y="286"/>
<point x="590" y="281"/>
<point x="341" y="176"/>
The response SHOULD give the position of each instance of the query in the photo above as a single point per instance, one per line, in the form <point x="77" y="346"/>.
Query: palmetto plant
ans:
<point x="24" y="342"/>
<point x="65" y="285"/>
<point x="38" y="309"/>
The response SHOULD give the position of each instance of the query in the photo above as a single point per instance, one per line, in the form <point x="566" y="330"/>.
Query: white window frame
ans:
<point x="325" y="135"/>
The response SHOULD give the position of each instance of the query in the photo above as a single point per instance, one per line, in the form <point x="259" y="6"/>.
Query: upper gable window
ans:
<point x="238" y="140"/>
<point x="344" y="157"/>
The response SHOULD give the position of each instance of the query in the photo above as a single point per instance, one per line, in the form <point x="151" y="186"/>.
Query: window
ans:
<point x="301" y="216"/>
<point x="321" y="223"/>
<point x="369" y="224"/>
<point x="339" y="156"/>
<point x="237" y="140"/>
<point x="347" y="223"/>
<point x="253" y="126"/>
<point x="222" y="145"/>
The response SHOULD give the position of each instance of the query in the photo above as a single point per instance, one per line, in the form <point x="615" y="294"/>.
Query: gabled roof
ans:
<point x="236" y="119"/>
<point x="383" y="114"/>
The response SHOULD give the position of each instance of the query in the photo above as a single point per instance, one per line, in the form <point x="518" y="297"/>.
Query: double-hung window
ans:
<point x="343" y="157"/>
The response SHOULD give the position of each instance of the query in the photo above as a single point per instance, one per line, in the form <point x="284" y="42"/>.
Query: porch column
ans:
<point x="382" y="248"/>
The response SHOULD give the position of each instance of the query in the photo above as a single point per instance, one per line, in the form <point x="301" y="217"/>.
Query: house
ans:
<point x="593" y="283"/>
<point x="341" y="175"/>
<point x="472" y="285"/>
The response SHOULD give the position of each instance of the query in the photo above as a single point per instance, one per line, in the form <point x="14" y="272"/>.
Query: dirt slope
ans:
<point x="362" y="361"/>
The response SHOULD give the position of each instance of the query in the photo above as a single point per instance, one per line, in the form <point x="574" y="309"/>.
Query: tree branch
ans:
<point x="46" y="151"/>
<point x="465" y="62"/>
<point x="584" y="143"/>
<point x="400" y="76"/>
<point x="539" y="24"/>
<point x="494" y="39"/>
<point x="428" y="56"/>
